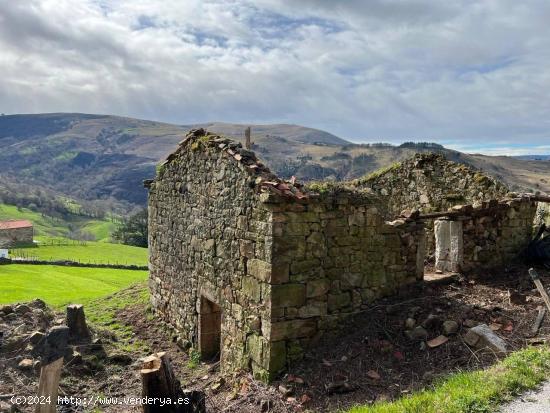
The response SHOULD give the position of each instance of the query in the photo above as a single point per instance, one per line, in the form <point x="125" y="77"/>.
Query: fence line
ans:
<point x="67" y="263"/>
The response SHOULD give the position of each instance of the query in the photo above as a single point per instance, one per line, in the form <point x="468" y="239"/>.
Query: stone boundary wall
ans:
<point x="331" y="259"/>
<point x="73" y="264"/>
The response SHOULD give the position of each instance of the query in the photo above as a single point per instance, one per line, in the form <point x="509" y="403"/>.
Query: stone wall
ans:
<point x="333" y="258"/>
<point x="543" y="214"/>
<point x="207" y="231"/>
<point x="13" y="237"/>
<point x="429" y="183"/>
<point x="491" y="234"/>
<point x="499" y="235"/>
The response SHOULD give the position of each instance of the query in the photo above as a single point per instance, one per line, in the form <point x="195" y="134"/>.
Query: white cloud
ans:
<point x="388" y="70"/>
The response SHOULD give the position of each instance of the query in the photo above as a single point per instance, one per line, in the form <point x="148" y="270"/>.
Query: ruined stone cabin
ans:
<point x="16" y="232"/>
<point x="252" y="269"/>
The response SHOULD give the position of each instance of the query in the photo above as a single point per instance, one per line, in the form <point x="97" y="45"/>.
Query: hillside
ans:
<point x="97" y="157"/>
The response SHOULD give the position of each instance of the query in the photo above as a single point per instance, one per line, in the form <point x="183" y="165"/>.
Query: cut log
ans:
<point x="158" y="381"/>
<point x="538" y="321"/>
<point x="76" y="321"/>
<point x="48" y="386"/>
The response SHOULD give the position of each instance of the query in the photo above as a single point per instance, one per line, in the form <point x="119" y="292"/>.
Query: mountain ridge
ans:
<point x="104" y="158"/>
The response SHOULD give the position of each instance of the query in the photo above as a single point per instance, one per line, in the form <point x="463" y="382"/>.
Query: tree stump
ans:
<point x="76" y="321"/>
<point x="158" y="381"/>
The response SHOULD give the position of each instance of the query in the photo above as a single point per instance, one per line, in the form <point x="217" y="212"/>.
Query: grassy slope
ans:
<point x="101" y="313"/>
<point x="478" y="391"/>
<point x="58" y="285"/>
<point x="47" y="227"/>
<point x="48" y="230"/>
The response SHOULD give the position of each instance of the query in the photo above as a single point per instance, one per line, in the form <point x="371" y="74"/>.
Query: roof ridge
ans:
<point x="266" y="180"/>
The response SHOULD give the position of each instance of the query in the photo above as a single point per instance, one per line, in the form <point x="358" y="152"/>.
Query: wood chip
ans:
<point x="436" y="342"/>
<point x="373" y="375"/>
<point x="495" y="326"/>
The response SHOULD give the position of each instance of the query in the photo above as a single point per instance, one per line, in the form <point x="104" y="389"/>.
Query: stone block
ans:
<point x="297" y="228"/>
<point x="246" y="248"/>
<point x="313" y="309"/>
<point x="280" y="271"/>
<point x="316" y="238"/>
<point x="305" y="266"/>
<point x="316" y="288"/>
<point x="357" y="218"/>
<point x="283" y="330"/>
<point x="277" y="356"/>
<point x="255" y="346"/>
<point x="288" y="295"/>
<point x="259" y="269"/>
<point x="252" y="288"/>
<point x="337" y="302"/>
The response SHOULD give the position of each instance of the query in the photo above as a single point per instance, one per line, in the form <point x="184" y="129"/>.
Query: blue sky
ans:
<point x="472" y="75"/>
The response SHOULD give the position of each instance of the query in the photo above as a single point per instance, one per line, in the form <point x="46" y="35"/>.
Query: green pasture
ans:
<point x="60" y="285"/>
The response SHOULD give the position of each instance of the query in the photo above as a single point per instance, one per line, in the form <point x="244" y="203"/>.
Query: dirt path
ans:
<point x="537" y="401"/>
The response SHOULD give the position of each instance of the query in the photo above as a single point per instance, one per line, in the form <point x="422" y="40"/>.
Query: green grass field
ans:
<point x="50" y="230"/>
<point x="89" y="252"/>
<point x="48" y="227"/>
<point x="58" y="285"/>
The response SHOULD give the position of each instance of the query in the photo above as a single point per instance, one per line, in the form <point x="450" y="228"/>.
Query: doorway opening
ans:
<point x="449" y="250"/>
<point x="210" y="329"/>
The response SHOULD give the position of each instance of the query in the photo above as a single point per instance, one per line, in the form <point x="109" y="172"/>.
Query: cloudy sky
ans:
<point x="474" y="75"/>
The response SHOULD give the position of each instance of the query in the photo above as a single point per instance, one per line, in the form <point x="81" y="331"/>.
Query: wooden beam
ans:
<point x="48" y="386"/>
<point x="536" y="279"/>
<point x="538" y="321"/>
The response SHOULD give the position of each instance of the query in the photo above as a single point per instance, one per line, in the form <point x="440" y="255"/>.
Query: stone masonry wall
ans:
<point x="499" y="235"/>
<point x="543" y="214"/>
<point x="205" y="225"/>
<point x="490" y="234"/>
<point x="15" y="236"/>
<point x="333" y="258"/>
<point x="429" y="183"/>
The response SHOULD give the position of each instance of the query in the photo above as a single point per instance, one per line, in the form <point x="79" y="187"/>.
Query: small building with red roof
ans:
<point x="16" y="232"/>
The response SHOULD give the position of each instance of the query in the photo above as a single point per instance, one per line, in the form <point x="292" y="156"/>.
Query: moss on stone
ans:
<point x="378" y="173"/>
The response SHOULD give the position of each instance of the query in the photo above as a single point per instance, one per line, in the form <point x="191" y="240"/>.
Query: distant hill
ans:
<point x="296" y="133"/>
<point x="534" y="157"/>
<point x="103" y="159"/>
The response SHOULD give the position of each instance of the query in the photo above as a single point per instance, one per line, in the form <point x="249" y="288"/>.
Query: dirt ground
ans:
<point x="371" y="359"/>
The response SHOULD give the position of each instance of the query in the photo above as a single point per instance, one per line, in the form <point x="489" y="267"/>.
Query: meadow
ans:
<point x="51" y="227"/>
<point x="60" y="285"/>
<point x="53" y="244"/>
<point x="88" y="252"/>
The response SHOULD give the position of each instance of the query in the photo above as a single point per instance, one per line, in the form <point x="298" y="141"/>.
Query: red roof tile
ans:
<point x="13" y="224"/>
